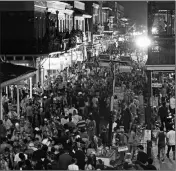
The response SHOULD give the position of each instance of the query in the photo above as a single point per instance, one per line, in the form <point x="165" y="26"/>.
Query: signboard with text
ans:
<point x="157" y="85"/>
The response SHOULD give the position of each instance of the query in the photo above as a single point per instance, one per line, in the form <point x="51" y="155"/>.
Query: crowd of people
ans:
<point x="166" y="115"/>
<point x="59" y="128"/>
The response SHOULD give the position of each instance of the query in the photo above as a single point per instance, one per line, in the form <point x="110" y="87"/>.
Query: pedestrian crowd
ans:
<point x="166" y="115"/>
<point x="60" y="127"/>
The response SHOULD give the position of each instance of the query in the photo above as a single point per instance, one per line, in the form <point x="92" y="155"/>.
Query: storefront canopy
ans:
<point x="81" y="13"/>
<point x="11" y="73"/>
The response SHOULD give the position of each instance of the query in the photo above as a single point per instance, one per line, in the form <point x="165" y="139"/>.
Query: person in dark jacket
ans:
<point x="80" y="156"/>
<point x="148" y="166"/>
<point x="163" y="113"/>
<point x="64" y="160"/>
<point x="142" y="156"/>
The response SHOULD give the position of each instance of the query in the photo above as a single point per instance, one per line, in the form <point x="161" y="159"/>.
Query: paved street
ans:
<point x="168" y="164"/>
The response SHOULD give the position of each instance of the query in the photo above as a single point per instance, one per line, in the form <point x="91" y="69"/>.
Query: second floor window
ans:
<point x="164" y="22"/>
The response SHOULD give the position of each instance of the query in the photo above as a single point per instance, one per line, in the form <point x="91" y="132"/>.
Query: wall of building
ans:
<point x="17" y="27"/>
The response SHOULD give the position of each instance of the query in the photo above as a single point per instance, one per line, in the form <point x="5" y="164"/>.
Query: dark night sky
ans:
<point x="136" y="10"/>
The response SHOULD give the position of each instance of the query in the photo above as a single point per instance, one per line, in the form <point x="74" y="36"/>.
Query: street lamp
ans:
<point x="143" y="42"/>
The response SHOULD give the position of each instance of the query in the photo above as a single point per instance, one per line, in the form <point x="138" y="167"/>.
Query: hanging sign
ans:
<point x="122" y="148"/>
<point x="156" y="85"/>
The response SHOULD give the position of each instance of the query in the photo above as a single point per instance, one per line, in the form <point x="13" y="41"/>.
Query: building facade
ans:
<point x="161" y="54"/>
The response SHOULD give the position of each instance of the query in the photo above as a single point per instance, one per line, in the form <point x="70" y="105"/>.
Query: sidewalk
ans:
<point x="168" y="164"/>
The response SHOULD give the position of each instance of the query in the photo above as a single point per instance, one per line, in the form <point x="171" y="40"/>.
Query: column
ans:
<point x="69" y="23"/>
<point x="1" y="114"/>
<point x="37" y="72"/>
<point x="7" y="91"/>
<point x="42" y="77"/>
<point x="11" y="89"/>
<point x="18" y="101"/>
<point x="30" y="79"/>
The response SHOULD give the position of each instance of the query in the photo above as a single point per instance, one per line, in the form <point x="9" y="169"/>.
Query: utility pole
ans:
<point x="113" y="69"/>
<point x="149" y="82"/>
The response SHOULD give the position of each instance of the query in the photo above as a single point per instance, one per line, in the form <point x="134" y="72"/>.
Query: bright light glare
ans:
<point x="154" y="30"/>
<point x="143" y="42"/>
<point x="121" y="39"/>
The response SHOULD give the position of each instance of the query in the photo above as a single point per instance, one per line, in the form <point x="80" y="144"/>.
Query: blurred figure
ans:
<point x="163" y="113"/>
<point x="161" y="142"/>
<point x="171" y="142"/>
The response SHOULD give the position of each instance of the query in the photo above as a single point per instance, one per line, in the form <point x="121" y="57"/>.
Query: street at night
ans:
<point x="87" y="85"/>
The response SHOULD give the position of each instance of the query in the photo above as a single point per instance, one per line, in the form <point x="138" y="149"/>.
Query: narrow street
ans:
<point x="168" y="164"/>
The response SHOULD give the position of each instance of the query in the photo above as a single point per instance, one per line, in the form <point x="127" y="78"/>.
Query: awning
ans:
<point x="160" y="67"/>
<point x="9" y="71"/>
<point x="81" y="13"/>
<point x="15" y="80"/>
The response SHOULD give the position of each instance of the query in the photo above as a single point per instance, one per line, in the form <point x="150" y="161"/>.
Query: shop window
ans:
<point x="164" y="22"/>
<point x="155" y="49"/>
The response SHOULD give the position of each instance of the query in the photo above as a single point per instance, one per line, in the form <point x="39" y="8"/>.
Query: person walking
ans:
<point x="161" y="142"/>
<point x="171" y="142"/>
<point x="163" y="113"/>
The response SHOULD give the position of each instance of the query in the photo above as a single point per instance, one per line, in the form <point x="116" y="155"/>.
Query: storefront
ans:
<point x="53" y="65"/>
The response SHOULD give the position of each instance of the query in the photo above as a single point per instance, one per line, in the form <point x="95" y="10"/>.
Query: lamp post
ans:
<point x="144" y="42"/>
<point x="113" y="69"/>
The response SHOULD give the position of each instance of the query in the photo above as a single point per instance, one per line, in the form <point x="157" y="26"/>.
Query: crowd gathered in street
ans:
<point x="62" y="126"/>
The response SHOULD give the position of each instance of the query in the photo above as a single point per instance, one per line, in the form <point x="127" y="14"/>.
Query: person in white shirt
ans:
<point x="7" y="123"/>
<point x="171" y="142"/>
<point x="172" y="105"/>
<point x="76" y="118"/>
<point x="95" y="102"/>
<point x="72" y="109"/>
<point x="114" y="125"/>
<point x="73" y="166"/>
<point x="17" y="158"/>
<point x="64" y="120"/>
